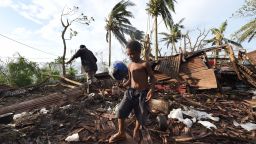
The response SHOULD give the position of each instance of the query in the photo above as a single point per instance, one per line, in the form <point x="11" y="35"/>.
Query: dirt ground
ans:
<point x="91" y="116"/>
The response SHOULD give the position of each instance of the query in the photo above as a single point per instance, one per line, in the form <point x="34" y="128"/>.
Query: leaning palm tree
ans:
<point x="174" y="35"/>
<point x="119" y="24"/>
<point x="163" y="8"/>
<point x="218" y="33"/>
<point x="219" y="38"/>
<point x="248" y="31"/>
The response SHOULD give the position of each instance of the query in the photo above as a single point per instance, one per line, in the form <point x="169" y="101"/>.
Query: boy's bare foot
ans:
<point x="117" y="137"/>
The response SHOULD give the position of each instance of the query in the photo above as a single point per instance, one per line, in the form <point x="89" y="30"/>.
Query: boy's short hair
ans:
<point x="82" y="46"/>
<point x="134" y="45"/>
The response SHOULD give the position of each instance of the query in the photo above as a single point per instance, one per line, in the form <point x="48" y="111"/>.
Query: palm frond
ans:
<point x="137" y="35"/>
<point x="163" y="8"/>
<point x="166" y="16"/>
<point x="209" y="41"/>
<point x="181" y="21"/>
<point x="170" y="4"/>
<point x="252" y="36"/>
<point x="232" y="42"/>
<point x="223" y="26"/>
<point x="126" y="29"/>
<point x="120" y="37"/>
<point x="247" y="31"/>
<point x="215" y="31"/>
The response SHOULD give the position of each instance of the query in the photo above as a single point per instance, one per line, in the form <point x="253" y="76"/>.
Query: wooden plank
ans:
<point x="251" y="102"/>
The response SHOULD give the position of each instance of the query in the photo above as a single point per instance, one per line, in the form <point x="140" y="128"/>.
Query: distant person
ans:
<point x="88" y="61"/>
<point x="138" y="94"/>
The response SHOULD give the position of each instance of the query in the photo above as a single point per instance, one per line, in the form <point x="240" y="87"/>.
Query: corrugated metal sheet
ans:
<point x="194" y="71"/>
<point x="204" y="79"/>
<point x="161" y="77"/>
<point x="252" y="56"/>
<point x="197" y="74"/>
<point x="52" y="99"/>
<point x="192" y="65"/>
<point x="169" y="67"/>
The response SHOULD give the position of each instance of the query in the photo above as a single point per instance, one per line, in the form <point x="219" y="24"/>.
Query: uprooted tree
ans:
<point x="71" y="15"/>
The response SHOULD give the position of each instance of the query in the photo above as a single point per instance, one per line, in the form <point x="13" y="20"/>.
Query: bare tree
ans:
<point x="71" y="15"/>
<point x="198" y="44"/>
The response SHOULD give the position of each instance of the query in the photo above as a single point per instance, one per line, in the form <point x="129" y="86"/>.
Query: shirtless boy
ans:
<point x="138" y="94"/>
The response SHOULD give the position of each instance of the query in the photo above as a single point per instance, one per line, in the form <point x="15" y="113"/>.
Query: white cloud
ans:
<point x="47" y="35"/>
<point x="5" y="3"/>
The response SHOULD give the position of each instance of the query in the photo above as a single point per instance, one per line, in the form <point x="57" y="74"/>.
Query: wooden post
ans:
<point x="233" y="61"/>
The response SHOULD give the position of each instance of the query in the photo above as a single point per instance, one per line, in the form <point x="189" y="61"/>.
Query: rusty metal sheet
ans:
<point x="169" y="66"/>
<point x="161" y="77"/>
<point x="52" y="99"/>
<point x="193" y="65"/>
<point x="204" y="79"/>
<point x="252" y="56"/>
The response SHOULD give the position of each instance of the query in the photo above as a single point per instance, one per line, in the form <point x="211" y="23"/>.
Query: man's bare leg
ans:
<point x="120" y="135"/>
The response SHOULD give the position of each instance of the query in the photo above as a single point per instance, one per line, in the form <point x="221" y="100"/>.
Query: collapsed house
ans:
<point x="62" y="113"/>
<point x="200" y="72"/>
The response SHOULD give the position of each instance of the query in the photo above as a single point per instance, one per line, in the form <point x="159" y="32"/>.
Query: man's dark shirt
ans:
<point x="87" y="58"/>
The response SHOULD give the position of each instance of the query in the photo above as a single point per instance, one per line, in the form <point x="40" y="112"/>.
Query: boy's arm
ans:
<point x="151" y="76"/>
<point x="152" y="81"/>
<point x="128" y="82"/>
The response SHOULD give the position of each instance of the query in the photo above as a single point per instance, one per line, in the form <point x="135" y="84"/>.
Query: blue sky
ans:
<point x="37" y="24"/>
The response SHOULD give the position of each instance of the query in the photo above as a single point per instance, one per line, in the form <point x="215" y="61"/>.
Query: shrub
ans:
<point x="23" y="72"/>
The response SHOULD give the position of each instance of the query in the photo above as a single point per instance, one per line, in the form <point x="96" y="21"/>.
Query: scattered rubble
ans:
<point x="192" y="105"/>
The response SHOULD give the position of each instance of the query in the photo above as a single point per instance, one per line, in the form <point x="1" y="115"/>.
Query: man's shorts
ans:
<point x="134" y="100"/>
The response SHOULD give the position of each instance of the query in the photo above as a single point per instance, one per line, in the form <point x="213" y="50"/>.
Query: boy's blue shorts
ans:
<point x="134" y="100"/>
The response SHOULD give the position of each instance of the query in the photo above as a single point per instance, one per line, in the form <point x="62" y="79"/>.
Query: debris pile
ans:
<point x="193" y="104"/>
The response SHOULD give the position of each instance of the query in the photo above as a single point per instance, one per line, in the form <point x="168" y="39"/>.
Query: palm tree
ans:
<point x="219" y="38"/>
<point x="163" y="8"/>
<point x="248" y="31"/>
<point x="174" y="35"/>
<point x="119" y="24"/>
<point x="218" y="34"/>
